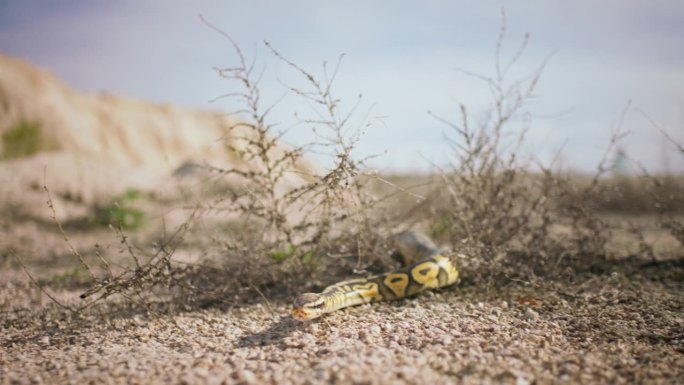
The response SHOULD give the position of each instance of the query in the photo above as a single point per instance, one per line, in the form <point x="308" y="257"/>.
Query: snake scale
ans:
<point x="424" y="267"/>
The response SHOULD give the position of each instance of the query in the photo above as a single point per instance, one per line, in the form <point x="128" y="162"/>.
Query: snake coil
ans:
<point x="424" y="267"/>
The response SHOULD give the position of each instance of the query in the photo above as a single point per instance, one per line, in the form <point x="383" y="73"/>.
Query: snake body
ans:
<point x="425" y="267"/>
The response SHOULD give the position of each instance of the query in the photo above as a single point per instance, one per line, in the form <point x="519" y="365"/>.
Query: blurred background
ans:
<point x="135" y="196"/>
<point x="405" y="58"/>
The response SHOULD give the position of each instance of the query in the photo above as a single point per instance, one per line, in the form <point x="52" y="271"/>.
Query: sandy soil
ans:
<point x="621" y="324"/>
<point x="619" y="321"/>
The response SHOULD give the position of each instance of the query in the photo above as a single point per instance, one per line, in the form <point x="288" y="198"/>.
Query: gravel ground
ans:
<point x="624" y="327"/>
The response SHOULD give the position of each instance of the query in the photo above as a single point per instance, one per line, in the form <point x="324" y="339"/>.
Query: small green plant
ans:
<point x="70" y="275"/>
<point x="441" y="227"/>
<point x="283" y="254"/>
<point x="289" y="250"/>
<point x="120" y="212"/>
<point x="24" y="138"/>
<point x="308" y="258"/>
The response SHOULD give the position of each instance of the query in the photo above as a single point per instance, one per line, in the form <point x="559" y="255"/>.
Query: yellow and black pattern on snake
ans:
<point x="432" y="271"/>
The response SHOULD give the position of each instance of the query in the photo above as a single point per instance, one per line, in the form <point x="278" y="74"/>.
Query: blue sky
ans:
<point x="404" y="57"/>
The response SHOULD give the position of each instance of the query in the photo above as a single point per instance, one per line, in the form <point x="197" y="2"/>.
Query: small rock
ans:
<point x="132" y="364"/>
<point x="248" y="376"/>
<point x="45" y="340"/>
<point x="201" y="372"/>
<point x="530" y="315"/>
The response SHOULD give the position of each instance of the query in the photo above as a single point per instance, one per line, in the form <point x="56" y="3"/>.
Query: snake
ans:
<point x="424" y="267"/>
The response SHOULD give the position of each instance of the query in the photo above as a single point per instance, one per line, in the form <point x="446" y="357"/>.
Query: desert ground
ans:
<point x="201" y="295"/>
<point x="616" y="321"/>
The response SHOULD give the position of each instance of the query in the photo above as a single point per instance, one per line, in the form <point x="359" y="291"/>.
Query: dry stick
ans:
<point x="401" y="189"/>
<point x="35" y="282"/>
<point x="268" y="304"/>
<point x="61" y="229"/>
<point x="105" y="263"/>
<point x="227" y="36"/>
<point x="499" y="44"/>
<point x="662" y="131"/>
<point x="124" y="239"/>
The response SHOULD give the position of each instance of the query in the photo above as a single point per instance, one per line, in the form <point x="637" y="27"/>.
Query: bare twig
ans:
<point x="266" y="301"/>
<point x="39" y="286"/>
<point x="51" y="205"/>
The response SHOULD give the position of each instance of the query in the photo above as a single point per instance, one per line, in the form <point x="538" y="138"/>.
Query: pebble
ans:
<point x="387" y="343"/>
<point x="248" y="376"/>
<point x="530" y="315"/>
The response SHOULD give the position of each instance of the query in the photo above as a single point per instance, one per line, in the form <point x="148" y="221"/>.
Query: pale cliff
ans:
<point x="96" y="145"/>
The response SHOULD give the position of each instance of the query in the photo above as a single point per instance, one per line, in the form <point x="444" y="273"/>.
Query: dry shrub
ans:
<point x="639" y="194"/>
<point x="514" y="221"/>
<point x="667" y="195"/>
<point x="285" y="207"/>
<point x="494" y="204"/>
<point x="284" y="219"/>
<point x="281" y="215"/>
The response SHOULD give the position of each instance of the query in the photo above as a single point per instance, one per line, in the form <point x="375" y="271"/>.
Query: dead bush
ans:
<point x="514" y="216"/>
<point x="286" y="223"/>
<point x="297" y="212"/>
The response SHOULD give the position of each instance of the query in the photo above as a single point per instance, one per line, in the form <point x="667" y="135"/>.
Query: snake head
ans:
<point x="308" y="306"/>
